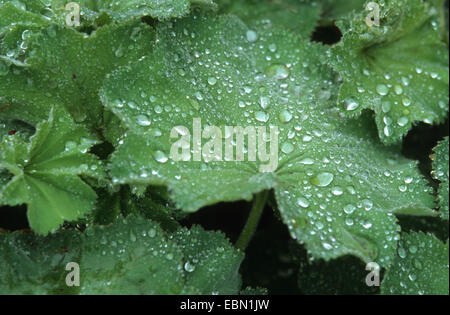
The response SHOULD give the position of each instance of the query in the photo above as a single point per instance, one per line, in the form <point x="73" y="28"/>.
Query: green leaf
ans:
<point x="440" y="172"/>
<point x="46" y="172"/>
<point x="204" y="255"/>
<point x="336" y="186"/>
<point x="133" y="256"/>
<point x="332" y="9"/>
<point x="97" y="11"/>
<point x="421" y="267"/>
<point x="11" y="12"/>
<point x="388" y="70"/>
<point x="66" y="67"/>
<point x="298" y="16"/>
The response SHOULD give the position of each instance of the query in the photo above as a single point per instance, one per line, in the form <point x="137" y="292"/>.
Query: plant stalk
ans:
<point x="259" y="202"/>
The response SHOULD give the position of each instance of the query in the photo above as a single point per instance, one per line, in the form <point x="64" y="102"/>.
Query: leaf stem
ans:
<point x="259" y="202"/>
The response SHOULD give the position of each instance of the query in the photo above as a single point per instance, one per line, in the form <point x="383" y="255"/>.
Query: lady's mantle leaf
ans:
<point x="335" y="185"/>
<point x="421" y="267"/>
<point x="66" y="67"/>
<point x="297" y="15"/>
<point x="133" y="256"/>
<point x="11" y="12"/>
<point x="332" y="9"/>
<point x="440" y="172"/>
<point x="398" y="69"/>
<point x="46" y="172"/>
<point x="93" y="10"/>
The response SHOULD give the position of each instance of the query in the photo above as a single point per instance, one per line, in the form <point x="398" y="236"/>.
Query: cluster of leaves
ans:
<point x="86" y="115"/>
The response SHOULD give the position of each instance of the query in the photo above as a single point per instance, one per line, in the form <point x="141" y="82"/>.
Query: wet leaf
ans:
<point x="440" y="172"/>
<point x="66" y="68"/>
<point x="387" y="69"/>
<point x="421" y="267"/>
<point x="132" y="256"/>
<point x="336" y="186"/>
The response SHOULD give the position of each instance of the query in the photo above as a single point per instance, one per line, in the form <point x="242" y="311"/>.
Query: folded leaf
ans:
<point x="46" y="172"/>
<point x="387" y="69"/>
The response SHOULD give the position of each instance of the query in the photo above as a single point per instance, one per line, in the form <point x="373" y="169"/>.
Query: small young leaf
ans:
<point x="387" y="69"/>
<point x="46" y="172"/>
<point x="440" y="172"/>
<point x="421" y="267"/>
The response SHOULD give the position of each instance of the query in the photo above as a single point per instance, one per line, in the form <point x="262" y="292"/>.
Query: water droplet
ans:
<point x="151" y="233"/>
<point x="398" y="89"/>
<point x="349" y="209"/>
<point x="277" y="71"/>
<point x="189" y="267"/>
<point x="252" y="36"/>
<point x="382" y="89"/>
<point x="337" y="191"/>
<point x="402" y="121"/>
<point x="70" y="145"/>
<point x="261" y="116"/>
<point x="160" y="156"/>
<point x="350" y="104"/>
<point x="401" y="252"/>
<point x="264" y="102"/>
<point x="307" y="161"/>
<point x="143" y="120"/>
<point x="323" y="179"/>
<point x="287" y="147"/>
<point x="327" y="246"/>
<point x="212" y="81"/>
<point x="132" y="236"/>
<point x="406" y="101"/>
<point x="119" y="51"/>
<point x="285" y="116"/>
<point x="303" y="202"/>
<point x="385" y="106"/>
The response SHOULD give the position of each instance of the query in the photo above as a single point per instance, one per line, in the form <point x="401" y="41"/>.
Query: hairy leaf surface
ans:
<point x="421" y="267"/>
<point x="336" y="186"/>
<point x="440" y="172"/>
<point x="132" y="256"/>
<point x="388" y="70"/>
